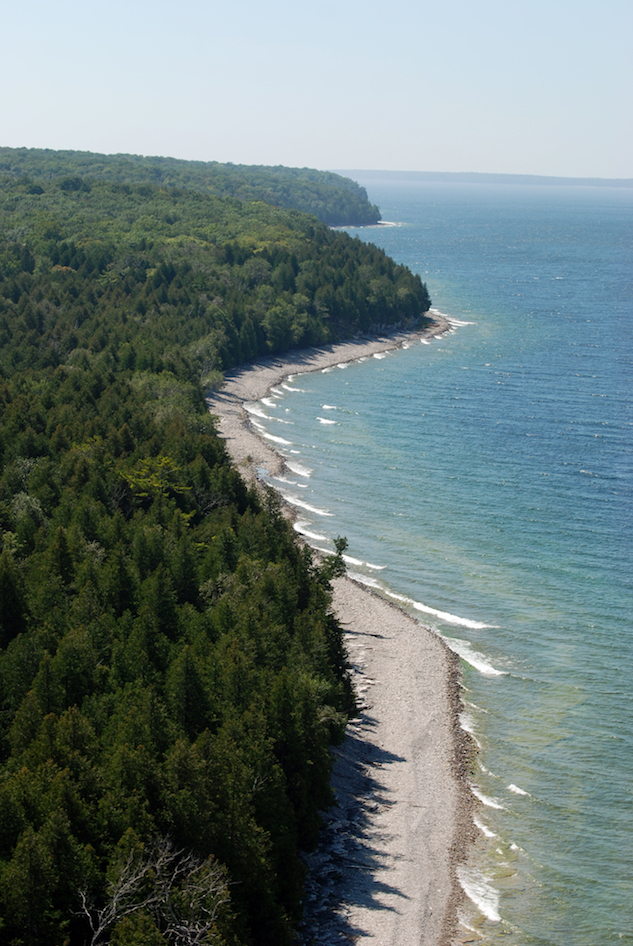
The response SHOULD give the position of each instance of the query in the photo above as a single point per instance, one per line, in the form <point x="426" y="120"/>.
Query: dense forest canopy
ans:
<point x="335" y="200"/>
<point x="171" y="674"/>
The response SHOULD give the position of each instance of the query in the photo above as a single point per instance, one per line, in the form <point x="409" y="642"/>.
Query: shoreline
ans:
<point x="385" y="868"/>
<point x="251" y="382"/>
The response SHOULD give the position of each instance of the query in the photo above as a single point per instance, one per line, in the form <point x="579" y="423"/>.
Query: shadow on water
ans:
<point x="343" y="871"/>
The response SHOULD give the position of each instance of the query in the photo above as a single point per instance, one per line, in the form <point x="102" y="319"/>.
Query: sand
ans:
<point x="384" y="872"/>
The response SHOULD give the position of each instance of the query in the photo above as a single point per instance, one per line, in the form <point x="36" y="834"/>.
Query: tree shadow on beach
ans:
<point x="344" y="869"/>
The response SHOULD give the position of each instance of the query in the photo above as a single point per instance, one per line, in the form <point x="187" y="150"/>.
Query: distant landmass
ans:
<point x="334" y="200"/>
<point x="467" y="177"/>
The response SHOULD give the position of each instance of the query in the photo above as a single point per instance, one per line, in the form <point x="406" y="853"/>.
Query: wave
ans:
<point x="298" y="468"/>
<point x="461" y="647"/>
<point x="485" y="830"/>
<point x="365" y="580"/>
<point x="328" y="407"/>
<point x="442" y="615"/>
<point x="467" y="723"/>
<point x="256" y="411"/>
<point x="486" y="799"/>
<point x="302" y="529"/>
<point x="295" y="501"/>
<point x="269" y="401"/>
<point x="380" y="355"/>
<point x="479" y="889"/>
<point x="357" y="561"/>
<point x="450" y="318"/>
<point x="277" y="392"/>
<point x="324" y="420"/>
<point x="517" y="790"/>
<point x="287" y="482"/>
<point x="477" y="660"/>
<point x="274" y="439"/>
<point x="287" y="387"/>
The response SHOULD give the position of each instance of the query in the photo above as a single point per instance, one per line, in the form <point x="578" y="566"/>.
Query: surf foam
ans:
<point x="517" y="790"/>
<point x="442" y="615"/>
<point x="485" y="830"/>
<point x="303" y="529"/>
<point x="478" y="888"/>
<point x="298" y="468"/>
<point x="295" y="501"/>
<point x="256" y="411"/>
<point x="464" y="650"/>
<point x="274" y="439"/>
<point x="486" y="799"/>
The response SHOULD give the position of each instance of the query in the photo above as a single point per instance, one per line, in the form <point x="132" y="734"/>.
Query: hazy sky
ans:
<point x="515" y="86"/>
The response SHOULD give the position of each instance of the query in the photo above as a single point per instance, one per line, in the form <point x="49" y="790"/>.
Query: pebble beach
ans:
<point x="385" y="870"/>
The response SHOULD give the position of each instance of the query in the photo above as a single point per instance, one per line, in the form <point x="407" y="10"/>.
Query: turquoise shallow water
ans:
<point x="485" y="478"/>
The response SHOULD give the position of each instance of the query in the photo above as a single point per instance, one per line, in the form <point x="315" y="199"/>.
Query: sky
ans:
<point x="493" y="86"/>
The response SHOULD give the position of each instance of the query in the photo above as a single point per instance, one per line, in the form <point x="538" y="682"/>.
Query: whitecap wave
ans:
<point x="287" y="482"/>
<point x="473" y="657"/>
<point x="485" y="830"/>
<point x="298" y="468"/>
<point x="274" y="439"/>
<point x="380" y="355"/>
<point x="479" y="889"/>
<point x="450" y="318"/>
<point x="324" y="420"/>
<point x="442" y="615"/>
<point x="287" y="387"/>
<point x="277" y="392"/>
<point x="295" y="501"/>
<point x="365" y="580"/>
<point x="256" y="411"/>
<point x="486" y="799"/>
<point x="328" y="407"/>
<point x="357" y="561"/>
<point x="477" y="660"/>
<point x="517" y="790"/>
<point x="467" y="723"/>
<point x="269" y="401"/>
<point x="303" y="530"/>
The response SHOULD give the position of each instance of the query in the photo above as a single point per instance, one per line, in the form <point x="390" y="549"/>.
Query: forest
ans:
<point x="171" y="673"/>
<point x="333" y="199"/>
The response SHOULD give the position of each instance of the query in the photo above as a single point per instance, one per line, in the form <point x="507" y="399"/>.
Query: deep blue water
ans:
<point x="488" y="476"/>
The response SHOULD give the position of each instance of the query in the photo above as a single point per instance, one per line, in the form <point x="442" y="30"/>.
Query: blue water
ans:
<point x="487" y="477"/>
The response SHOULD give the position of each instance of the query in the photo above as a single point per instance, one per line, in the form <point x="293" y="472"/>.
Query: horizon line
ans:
<point x="479" y="177"/>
